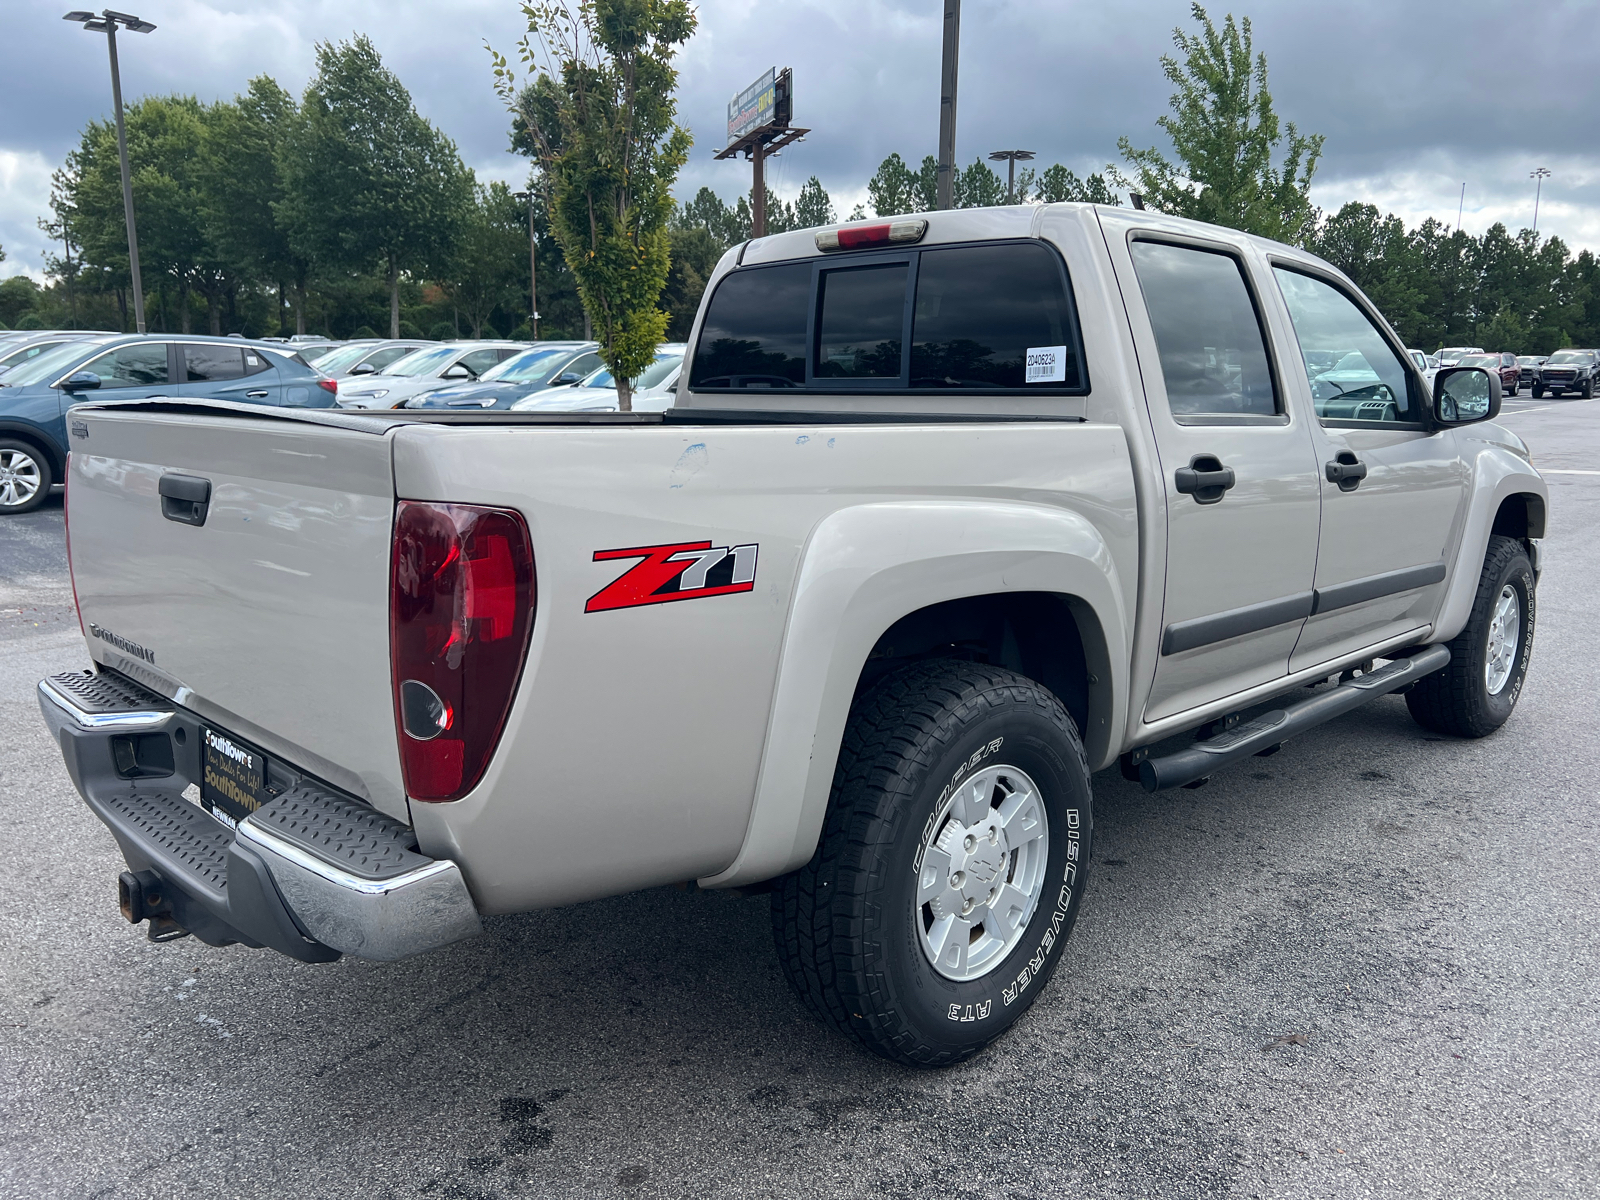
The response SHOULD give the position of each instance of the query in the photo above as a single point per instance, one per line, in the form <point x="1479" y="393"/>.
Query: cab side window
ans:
<point x="1355" y="375"/>
<point x="142" y="365"/>
<point x="1213" y="352"/>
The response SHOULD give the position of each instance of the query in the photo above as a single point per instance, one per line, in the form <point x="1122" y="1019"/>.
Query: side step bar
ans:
<point x="1270" y="729"/>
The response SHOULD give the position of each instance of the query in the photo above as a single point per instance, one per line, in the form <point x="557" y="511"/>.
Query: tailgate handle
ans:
<point x="185" y="498"/>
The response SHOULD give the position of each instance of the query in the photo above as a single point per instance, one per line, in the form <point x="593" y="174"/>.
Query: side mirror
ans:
<point x="83" y="381"/>
<point x="363" y="369"/>
<point x="1463" y="395"/>
<point x="567" y="377"/>
<point x="459" y="371"/>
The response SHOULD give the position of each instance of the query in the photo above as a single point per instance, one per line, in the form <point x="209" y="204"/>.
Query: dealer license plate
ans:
<point x="233" y="776"/>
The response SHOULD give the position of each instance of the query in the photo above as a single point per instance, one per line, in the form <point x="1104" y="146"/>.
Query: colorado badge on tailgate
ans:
<point x="679" y="571"/>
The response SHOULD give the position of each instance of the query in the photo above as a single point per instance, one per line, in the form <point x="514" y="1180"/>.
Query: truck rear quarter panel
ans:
<point x="632" y="753"/>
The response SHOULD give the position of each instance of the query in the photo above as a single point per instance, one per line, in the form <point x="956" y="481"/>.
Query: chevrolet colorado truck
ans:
<point x="952" y="510"/>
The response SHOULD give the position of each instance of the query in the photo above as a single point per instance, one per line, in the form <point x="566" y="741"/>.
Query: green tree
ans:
<point x="367" y="182"/>
<point x="1226" y="139"/>
<point x="1057" y="185"/>
<point x="19" y="296"/>
<point x="979" y="186"/>
<point x="1377" y="253"/>
<point x="707" y="211"/>
<point x="694" y="257"/>
<point x="601" y="113"/>
<point x="243" y="191"/>
<point x="490" y="257"/>
<point x="813" y="207"/>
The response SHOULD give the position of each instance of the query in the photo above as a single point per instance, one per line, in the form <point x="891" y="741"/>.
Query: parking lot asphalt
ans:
<point x="1422" y="911"/>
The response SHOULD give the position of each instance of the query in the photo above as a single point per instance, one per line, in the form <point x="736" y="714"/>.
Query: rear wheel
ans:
<point x="950" y="866"/>
<point x="1513" y="390"/>
<point x="24" y="477"/>
<point x="1475" y="694"/>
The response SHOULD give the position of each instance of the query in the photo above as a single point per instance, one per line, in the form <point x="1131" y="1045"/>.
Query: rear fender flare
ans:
<point x="865" y="567"/>
<point x="1498" y="475"/>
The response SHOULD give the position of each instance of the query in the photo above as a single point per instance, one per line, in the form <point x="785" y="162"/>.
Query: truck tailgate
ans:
<point x="271" y="618"/>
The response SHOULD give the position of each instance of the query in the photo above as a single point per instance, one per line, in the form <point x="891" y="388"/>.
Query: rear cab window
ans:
<point x="993" y="317"/>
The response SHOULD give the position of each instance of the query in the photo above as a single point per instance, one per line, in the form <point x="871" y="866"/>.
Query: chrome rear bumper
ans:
<point x="313" y="873"/>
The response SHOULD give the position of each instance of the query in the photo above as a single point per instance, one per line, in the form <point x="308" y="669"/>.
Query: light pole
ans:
<point x="1011" y="158"/>
<point x="107" y="23"/>
<point x="1539" y="174"/>
<point x="533" y="264"/>
<point x="945" y="178"/>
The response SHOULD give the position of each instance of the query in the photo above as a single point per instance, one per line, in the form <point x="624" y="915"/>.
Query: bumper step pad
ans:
<point x="343" y="832"/>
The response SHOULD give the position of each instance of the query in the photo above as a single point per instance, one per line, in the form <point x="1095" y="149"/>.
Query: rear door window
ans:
<point x="754" y="334"/>
<point x="213" y="364"/>
<point x="1213" y="352"/>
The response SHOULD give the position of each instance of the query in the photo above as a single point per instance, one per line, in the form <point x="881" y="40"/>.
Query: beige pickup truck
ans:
<point x="950" y="512"/>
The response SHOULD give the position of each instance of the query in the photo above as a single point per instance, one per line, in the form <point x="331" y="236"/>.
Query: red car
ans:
<point x="1506" y="364"/>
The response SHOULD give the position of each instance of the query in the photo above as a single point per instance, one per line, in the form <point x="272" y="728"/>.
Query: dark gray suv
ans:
<point x="1569" y="371"/>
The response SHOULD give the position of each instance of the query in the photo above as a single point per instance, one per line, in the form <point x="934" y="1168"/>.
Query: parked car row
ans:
<point x="36" y="393"/>
<point x="1564" y="371"/>
<point x="44" y="372"/>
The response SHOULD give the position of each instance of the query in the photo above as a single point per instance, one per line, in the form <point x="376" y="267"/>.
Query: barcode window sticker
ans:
<point x="1047" y="364"/>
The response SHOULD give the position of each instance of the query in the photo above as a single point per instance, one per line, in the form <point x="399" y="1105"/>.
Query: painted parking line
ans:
<point x="1556" y="471"/>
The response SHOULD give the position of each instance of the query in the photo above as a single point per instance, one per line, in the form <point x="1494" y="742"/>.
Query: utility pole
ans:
<point x="1540" y="174"/>
<point x="1461" y="206"/>
<point x="947" y="104"/>
<point x="1010" y="158"/>
<point x="533" y="263"/>
<point x="106" y="23"/>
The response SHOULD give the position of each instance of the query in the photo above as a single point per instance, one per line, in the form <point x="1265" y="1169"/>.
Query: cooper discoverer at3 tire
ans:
<point x="950" y="867"/>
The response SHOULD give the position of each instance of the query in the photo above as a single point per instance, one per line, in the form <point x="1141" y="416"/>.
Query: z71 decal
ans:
<point x="680" y="571"/>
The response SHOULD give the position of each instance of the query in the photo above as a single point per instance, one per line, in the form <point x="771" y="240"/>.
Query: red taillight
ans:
<point x="66" y="528"/>
<point x="859" y="237"/>
<point x="461" y="609"/>
<point x="329" y="385"/>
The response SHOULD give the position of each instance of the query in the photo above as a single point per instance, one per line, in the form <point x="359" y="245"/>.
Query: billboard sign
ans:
<point x="754" y="107"/>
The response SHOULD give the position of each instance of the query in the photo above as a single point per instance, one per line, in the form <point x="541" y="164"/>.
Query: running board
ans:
<point x="1271" y="729"/>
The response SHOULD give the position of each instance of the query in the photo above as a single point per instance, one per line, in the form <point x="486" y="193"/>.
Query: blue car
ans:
<point x="35" y="395"/>
<point x="547" y="365"/>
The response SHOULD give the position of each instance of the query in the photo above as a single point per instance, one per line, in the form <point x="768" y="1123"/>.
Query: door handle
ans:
<point x="184" y="498"/>
<point x="258" y="394"/>
<point x="1205" y="478"/>
<point x="1346" y="470"/>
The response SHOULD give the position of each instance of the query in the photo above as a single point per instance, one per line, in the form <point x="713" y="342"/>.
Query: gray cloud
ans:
<point x="1414" y="98"/>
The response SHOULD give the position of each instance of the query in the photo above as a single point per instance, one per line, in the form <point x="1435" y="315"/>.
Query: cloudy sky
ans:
<point x="1415" y="96"/>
